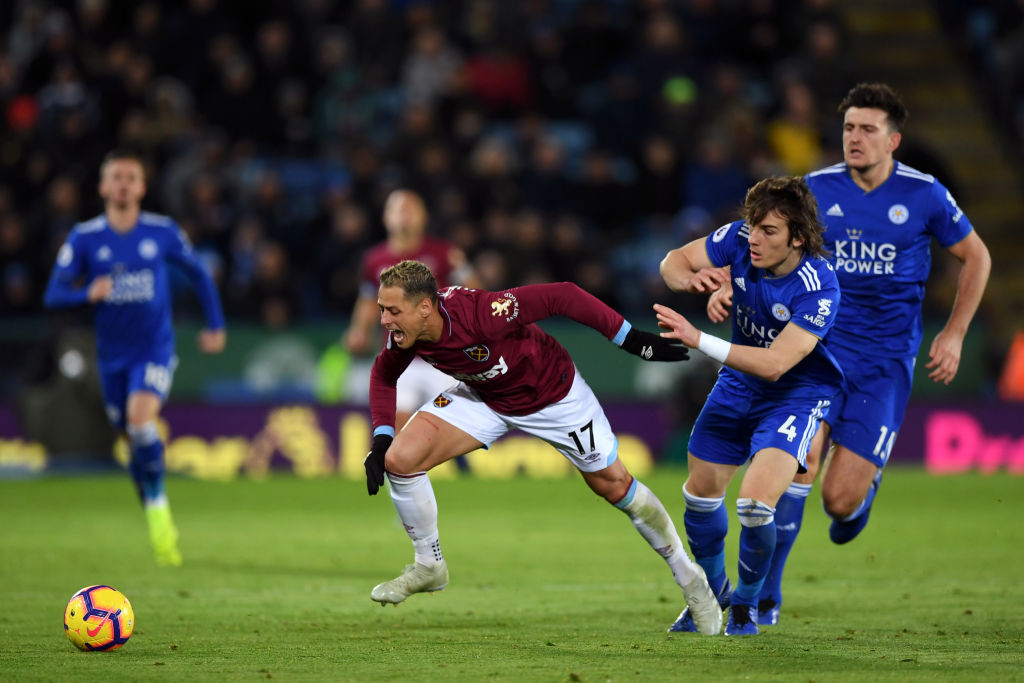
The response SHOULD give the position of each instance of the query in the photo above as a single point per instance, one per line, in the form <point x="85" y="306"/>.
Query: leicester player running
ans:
<point x="777" y="384"/>
<point x="511" y="374"/>
<point x="117" y="262"/>
<point x="880" y="219"/>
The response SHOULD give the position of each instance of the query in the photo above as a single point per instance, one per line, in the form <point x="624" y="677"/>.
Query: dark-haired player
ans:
<point x="880" y="218"/>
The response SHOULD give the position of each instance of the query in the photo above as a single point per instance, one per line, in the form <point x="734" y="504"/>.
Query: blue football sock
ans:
<point x="147" y="463"/>
<point x="789" y="516"/>
<point x="757" y="544"/>
<point x="706" y="525"/>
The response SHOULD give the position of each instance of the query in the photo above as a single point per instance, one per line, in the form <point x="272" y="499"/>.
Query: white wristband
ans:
<point x="713" y="347"/>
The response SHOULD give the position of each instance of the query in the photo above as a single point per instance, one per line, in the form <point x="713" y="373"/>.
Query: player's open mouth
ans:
<point x="398" y="336"/>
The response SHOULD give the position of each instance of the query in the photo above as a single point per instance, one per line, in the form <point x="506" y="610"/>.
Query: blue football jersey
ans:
<point x="881" y="248"/>
<point x="763" y="304"/>
<point x="135" y="319"/>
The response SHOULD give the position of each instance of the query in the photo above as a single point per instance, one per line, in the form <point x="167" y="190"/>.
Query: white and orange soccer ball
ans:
<point x="98" y="618"/>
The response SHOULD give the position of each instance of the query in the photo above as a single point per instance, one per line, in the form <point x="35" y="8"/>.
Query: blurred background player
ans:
<point x="511" y="375"/>
<point x="117" y="262"/>
<point x="880" y="219"/>
<point x="405" y="219"/>
<point x="777" y="384"/>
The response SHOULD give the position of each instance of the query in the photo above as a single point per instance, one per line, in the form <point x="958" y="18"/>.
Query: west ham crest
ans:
<point x="479" y="352"/>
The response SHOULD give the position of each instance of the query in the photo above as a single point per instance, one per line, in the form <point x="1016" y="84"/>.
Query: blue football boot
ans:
<point x="742" y="620"/>
<point x="768" y="612"/>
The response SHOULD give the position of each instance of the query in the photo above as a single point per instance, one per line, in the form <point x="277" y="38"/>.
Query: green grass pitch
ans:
<point x="548" y="584"/>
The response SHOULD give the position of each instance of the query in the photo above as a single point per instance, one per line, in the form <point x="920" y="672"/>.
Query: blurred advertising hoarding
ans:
<point x="225" y="441"/>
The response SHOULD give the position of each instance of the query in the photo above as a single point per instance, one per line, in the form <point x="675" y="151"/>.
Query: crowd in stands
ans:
<point x="990" y="33"/>
<point x="552" y="139"/>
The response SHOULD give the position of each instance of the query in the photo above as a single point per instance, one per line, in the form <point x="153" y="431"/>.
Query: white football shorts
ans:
<point x="576" y="426"/>
<point x="420" y="383"/>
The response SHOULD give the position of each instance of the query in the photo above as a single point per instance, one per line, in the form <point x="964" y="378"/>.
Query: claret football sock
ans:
<point x="789" y="515"/>
<point x="416" y="505"/>
<point x="652" y="521"/>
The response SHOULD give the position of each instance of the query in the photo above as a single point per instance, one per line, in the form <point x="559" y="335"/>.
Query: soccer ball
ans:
<point x="98" y="618"/>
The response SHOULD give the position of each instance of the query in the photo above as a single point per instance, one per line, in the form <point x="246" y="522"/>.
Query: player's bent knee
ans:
<point x="754" y="513"/>
<point x="143" y="434"/>
<point x="404" y="462"/>
<point x="841" y="504"/>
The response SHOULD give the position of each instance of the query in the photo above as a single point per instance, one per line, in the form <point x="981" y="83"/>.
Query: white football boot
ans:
<point x="416" y="578"/>
<point x="703" y="605"/>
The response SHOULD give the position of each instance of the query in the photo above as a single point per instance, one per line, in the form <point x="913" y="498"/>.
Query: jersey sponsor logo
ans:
<point x="133" y="287"/>
<point x="781" y="312"/>
<point x="815" y="320"/>
<point x="741" y="283"/>
<point x="478" y="352"/>
<point x="65" y="255"/>
<point x="824" y="306"/>
<point x="147" y="249"/>
<point x="865" y="258"/>
<point x="103" y="253"/>
<point x="442" y="401"/>
<point x="898" y="214"/>
<point x="854" y="233"/>
<point x="499" y="369"/>
<point x="834" y="210"/>
<point x="720" y="234"/>
<point x="507" y="306"/>
<point x="758" y="333"/>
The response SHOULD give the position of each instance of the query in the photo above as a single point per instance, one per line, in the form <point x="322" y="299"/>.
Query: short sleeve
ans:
<point x="947" y="221"/>
<point x="816" y="306"/>
<point x="726" y="243"/>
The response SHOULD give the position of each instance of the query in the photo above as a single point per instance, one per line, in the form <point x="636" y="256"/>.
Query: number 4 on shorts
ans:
<point x="788" y="429"/>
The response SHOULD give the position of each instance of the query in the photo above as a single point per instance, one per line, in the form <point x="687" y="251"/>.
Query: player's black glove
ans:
<point x="650" y="346"/>
<point x="374" y="463"/>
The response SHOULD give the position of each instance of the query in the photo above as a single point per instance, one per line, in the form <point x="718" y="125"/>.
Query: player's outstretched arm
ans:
<point x="976" y="264"/>
<point x="789" y="348"/>
<point x="651" y="346"/>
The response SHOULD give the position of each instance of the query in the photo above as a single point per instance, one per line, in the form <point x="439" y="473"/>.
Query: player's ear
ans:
<point x="795" y="240"/>
<point x="894" y="141"/>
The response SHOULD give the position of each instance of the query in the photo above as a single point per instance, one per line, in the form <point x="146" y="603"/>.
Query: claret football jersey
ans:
<point x="490" y="341"/>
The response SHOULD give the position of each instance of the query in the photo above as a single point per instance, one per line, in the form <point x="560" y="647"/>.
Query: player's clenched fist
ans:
<point x="374" y="463"/>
